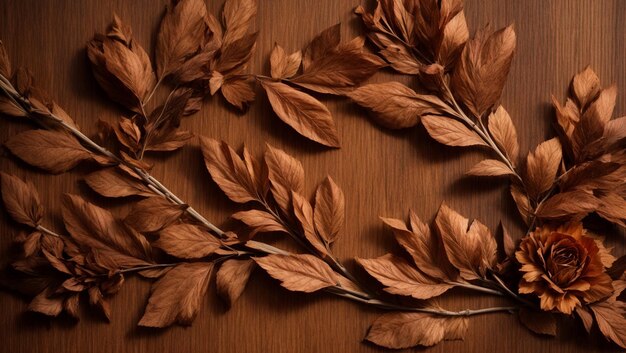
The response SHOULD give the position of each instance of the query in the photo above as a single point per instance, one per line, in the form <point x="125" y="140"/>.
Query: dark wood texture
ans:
<point x="381" y="172"/>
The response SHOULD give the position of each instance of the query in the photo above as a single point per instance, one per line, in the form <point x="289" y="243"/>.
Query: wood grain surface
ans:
<point x="381" y="172"/>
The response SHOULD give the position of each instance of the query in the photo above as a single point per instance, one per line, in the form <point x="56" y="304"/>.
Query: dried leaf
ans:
<point x="490" y="167"/>
<point x="304" y="215"/>
<point x="522" y="202"/>
<point x="187" y="241"/>
<point x="404" y="330"/>
<point x="450" y="131"/>
<point x="21" y="200"/>
<point x="611" y="320"/>
<point x="259" y="221"/>
<point x="395" y="105"/>
<point x="94" y="228"/>
<point x="302" y="112"/>
<point x="585" y="86"/>
<point x="329" y="210"/>
<point x="455" y="35"/>
<point x="228" y="170"/>
<point x="542" y="166"/>
<point x="472" y="251"/>
<point x="399" y="277"/>
<point x="480" y="74"/>
<point x="539" y="322"/>
<point x="153" y="214"/>
<point x="232" y="277"/>
<point x="111" y="182"/>
<point x="182" y="32"/>
<point x="321" y="45"/>
<point x="503" y="132"/>
<point x="283" y="65"/>
<point x="238" y="91"/>
<point x="53" y="151"/>
<point x="237" y="17"/>
<point x="46" y="304"/>
<point x="285" y="174"/>
<point x="573" y="204"/>
<point x="299" y="272"/>
<point x="176" y="297"/>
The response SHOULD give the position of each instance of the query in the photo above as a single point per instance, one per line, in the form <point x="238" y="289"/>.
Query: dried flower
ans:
<point x="564" y="266"/>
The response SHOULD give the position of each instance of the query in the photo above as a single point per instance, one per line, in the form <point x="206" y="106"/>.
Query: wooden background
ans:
<point x="381" y="172"/>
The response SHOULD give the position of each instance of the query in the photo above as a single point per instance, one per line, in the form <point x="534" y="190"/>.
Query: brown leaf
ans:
<point x="45" y="303"/>
<point x="232" y="278"/>
<point x="237" y="17"/>
<point x="490" y="167"/>
<point x="21" y="200"/>
<point x="110" y="182"/>
<point x="480" y="74"/>
<point x="304" y="215"/>
<point x="472" y="251"/>
<point x="283" y="65"/>
<point x="302" y="112"/>
<point x="539" y="322"/>
<point x="182" y="32"/>
<point x="53" y="151"/>
<point x="585" y="86"/>
<point x="404" y="330"/>
<point x="94" y="228"/>
<point x="298" y="272"/>
<point x="425" y="248"/>
<point x="176" y="297"/>
<point x="238" y="90"/>
<point x="395" y="105"/>
<point x="450" y="131"/>
<point x="522" y="202"/>
<point x="329" y="213"/>
<point x="611" y="320"/>
<point x="259" y="221"/>
<point x="187" y="241"/>
<point x="153" y="214"/>
<point x="503" y="132"/>
<point x="321" y="45"/>
<point x="234" y="57"/>
<point x="455" y="35"/>
<point x="399" y="277"/>
<point x="285" y="174"/>
<point x="542" y="166"/>
<point x="121" y="66"/>
<point x="228" y="170"/>
<point x="572" y="204"/>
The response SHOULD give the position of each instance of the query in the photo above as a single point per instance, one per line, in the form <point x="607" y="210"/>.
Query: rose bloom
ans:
<point x="564" y="267"/>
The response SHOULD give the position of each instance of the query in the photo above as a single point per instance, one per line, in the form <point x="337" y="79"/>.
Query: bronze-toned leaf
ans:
<point x="176" y="297"/>
<point x="472" y="251"/>
<point x="481" y="72"/>
<point x="238" y="90"/>
<point x="153" y="214"/>
<point x="611" y="320"/>
<point x="522" y="202"/>
<point x="395" y="105"/>
<point x="585" y="86"/>
<point x="455" y="35"/>
<point x="183" y="30"/>
<point x="117" y="245"/>
<point x="110" y="182"/>
<point x="321" y="45"/>
<point x="53" y="151"/>
<point x="304" y="215"/>
<point x="503" y="132"/>
<point x="539" y="322"/>
<point x="285" y="175"/>
<point x="404" y="330"/>
<point x="299" y="272"/>
<point x="47" y="304"/>
<point x="450" y="131"/>
<point x="399" y="277"/>
<point x="21" y="200"/>
<point x="329" y="212"/>
<point x="302" y="112"/>
<point x="232" y="277"/>
<point x="259" y="221"/>
<point x="490" y="167"/>
<point x="228" y="170"/>
<point x="237" y="17"/>
<point x="187" y="241"/>
<point x="574" y="204"/>
<point x="283" y="65"/>
<point x="542" y="166"/>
